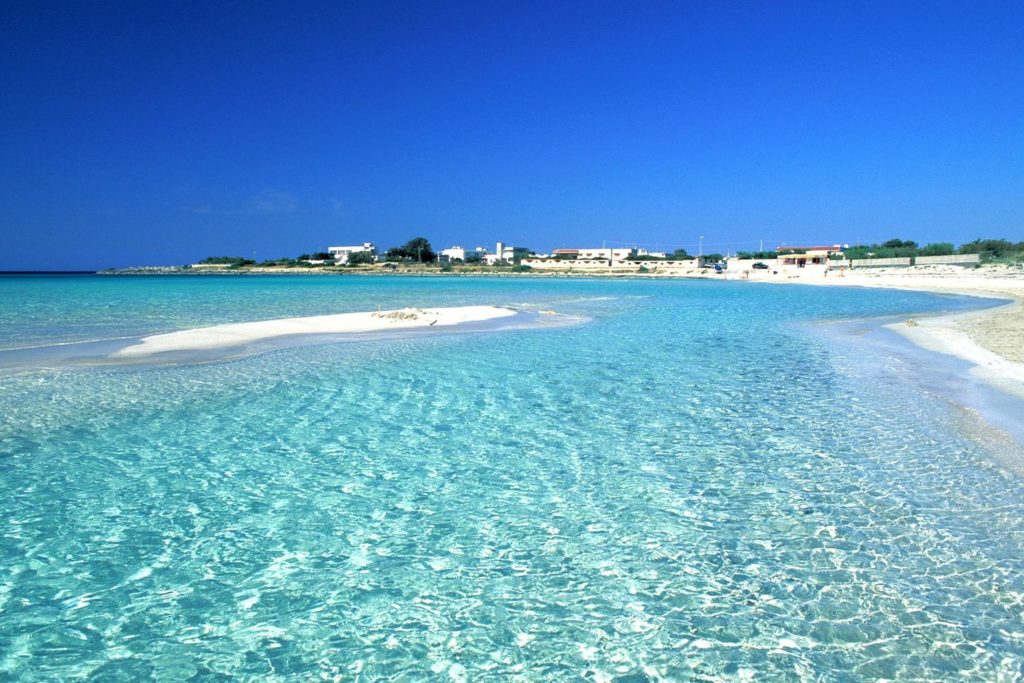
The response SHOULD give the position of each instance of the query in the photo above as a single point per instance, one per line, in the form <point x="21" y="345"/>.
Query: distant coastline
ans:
<point x="992" y="340"/>
<point x="402" y="270"/>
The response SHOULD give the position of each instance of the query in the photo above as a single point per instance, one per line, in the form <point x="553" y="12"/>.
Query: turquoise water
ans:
<point x="695" y="483"/>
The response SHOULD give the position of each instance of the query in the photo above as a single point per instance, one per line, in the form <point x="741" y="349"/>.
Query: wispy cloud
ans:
<point x="266" y="202"/>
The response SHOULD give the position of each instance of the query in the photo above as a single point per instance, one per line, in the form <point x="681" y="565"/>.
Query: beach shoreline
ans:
<point x="990" y="339"/>
<point x="974" y="337"/>
<point x="986" y="344"/>
<point x="983" y="409"/>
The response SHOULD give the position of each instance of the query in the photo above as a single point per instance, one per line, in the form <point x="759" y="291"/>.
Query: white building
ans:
<point x="501" y="253"/>
<point x="341" y="254"/>
<point x="802" y="257"/>
<point x="652" y="254"/>
<point x="462" y="254"/>
<point x="606" y="254"/>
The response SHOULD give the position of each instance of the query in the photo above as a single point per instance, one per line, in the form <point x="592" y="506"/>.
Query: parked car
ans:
<point x="760" y="266"/>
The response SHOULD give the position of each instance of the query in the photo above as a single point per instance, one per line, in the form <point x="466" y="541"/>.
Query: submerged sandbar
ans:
<point x="241" y="334"/>
<point x="233" y="340"/>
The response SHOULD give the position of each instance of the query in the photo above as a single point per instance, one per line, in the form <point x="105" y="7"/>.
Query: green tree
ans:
<point x="518" y="254"/>
<point x="417" y="249"/>
<point x="891" y="249"/>
<point x="990" y="248"/>
<point x="936" y="249"/>
<point x="357" y="258"/>
<point x="898" y="243"/>
<point x="284" y="261"/>
<point x="233" y="261"/>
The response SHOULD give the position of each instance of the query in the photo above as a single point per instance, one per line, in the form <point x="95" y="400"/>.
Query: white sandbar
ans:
<point x="240" y="334"/>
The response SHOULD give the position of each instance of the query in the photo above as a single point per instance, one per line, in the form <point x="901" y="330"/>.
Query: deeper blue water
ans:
<point x="695" y="483"/>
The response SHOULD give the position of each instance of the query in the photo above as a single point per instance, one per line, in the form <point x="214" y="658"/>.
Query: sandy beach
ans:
<point x="991" y="339"/>
<point x="240" y="334"/>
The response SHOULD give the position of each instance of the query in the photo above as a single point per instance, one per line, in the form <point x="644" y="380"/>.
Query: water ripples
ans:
<point x="643" y="497"/>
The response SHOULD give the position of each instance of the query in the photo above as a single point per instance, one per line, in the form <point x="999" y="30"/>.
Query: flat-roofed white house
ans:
<point x="341" y="254"/>
<point x="607" y="254"/>
<point x="462" y="254"/>
<point x="504" y="253"/>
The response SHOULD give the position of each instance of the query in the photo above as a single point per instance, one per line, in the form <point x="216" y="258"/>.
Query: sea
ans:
<point x="666" y="480"/>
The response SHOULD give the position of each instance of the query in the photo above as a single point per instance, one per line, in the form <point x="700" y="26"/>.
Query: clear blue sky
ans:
<point x="158" y="133"/>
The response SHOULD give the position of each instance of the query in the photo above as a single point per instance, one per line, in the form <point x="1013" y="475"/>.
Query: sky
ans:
<point x="158" y="133"/>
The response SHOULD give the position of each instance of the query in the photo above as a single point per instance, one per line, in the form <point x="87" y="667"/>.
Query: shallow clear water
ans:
<point x="694" y="484"/>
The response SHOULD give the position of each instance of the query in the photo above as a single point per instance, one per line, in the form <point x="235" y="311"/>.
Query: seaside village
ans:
<point x="806" y="259"/>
